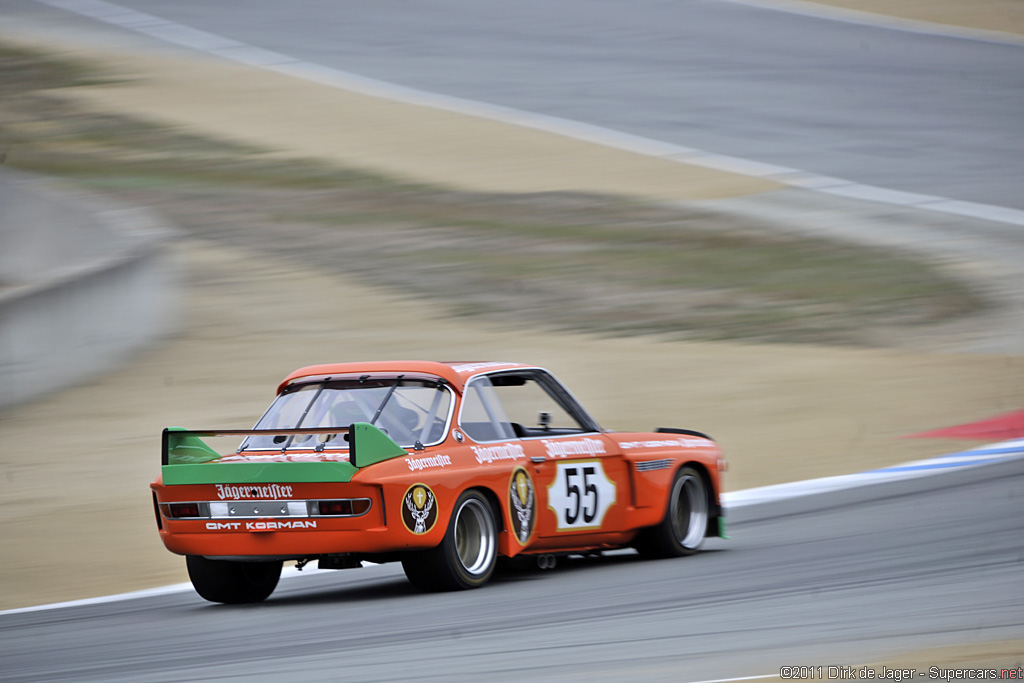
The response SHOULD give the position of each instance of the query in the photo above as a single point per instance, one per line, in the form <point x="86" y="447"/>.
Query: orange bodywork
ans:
<point x="556" y="492"/>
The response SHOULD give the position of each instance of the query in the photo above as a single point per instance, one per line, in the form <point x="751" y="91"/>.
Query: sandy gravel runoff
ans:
<point x="261" y="108"/>
<point x="1006" y="16"/>
<point x="75" y="512"/>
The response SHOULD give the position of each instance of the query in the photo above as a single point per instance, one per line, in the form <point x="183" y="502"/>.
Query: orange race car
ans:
<point x="441" y="466"/>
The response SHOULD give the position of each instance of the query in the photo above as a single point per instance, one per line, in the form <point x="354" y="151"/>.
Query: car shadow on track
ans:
<point x="526" y="568"/>
<point x="348" y="587"/>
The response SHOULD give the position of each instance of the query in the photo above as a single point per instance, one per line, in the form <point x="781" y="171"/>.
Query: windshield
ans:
<point x="411" y="411"/>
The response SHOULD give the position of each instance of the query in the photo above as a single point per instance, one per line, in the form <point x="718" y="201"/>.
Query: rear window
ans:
<point x="410" y="411"/>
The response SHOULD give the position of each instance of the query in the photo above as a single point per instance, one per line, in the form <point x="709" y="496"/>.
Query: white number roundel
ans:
<point x="580" y="495"/>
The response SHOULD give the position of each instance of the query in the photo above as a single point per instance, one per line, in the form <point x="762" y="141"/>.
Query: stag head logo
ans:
<point x="523" y="505"/>
<point x="419" y="511"/>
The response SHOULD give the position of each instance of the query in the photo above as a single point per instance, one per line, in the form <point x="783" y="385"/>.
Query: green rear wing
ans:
<point x="186" y="459"/>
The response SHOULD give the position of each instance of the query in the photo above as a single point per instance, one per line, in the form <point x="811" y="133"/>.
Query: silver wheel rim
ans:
<point x="474" y="537"/>
<point x="689" y="511"/>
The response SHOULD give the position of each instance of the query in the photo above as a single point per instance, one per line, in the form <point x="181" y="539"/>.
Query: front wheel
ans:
<point x="681" y="531"/>
<point x="468" y="553"/>
<point x="233" y="582"/>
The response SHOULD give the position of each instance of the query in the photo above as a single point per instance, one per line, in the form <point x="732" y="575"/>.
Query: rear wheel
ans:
<point x="681" y="531"/>
<point x="233" y="582"/>
<point x="468" y="553"/>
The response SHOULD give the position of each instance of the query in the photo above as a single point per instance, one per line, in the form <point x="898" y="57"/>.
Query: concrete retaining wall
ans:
<point x="83" y="283"/>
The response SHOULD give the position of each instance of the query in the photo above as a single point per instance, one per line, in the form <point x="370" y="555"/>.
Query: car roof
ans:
<point x="456" y="373"/>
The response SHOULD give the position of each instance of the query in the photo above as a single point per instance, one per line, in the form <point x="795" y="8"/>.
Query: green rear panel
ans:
<point x="258" y="473"/>
<point x="187" y="449"/>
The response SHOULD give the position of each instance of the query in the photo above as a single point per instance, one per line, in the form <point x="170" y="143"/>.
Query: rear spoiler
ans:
<point x="367" y="444"/>
<point x="688" y="432"/>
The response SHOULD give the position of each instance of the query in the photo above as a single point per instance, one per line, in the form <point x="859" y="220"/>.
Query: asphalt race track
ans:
<point x="838" y="579"/>
<point x="921" y="113"/>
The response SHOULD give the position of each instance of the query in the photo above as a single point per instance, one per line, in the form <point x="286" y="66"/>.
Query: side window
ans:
<point x="483" y="418"/>
<point x="511" y="405"/>
<point x="531" y="409"/>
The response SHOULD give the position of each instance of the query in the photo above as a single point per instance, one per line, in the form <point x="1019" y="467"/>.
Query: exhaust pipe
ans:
<point x="547" y="561"/>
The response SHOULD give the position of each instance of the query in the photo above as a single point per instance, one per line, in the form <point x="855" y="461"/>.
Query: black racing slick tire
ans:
<point x="467" y="555"/>
<point x="682" y="529"/>
<point x="233" y="583"/>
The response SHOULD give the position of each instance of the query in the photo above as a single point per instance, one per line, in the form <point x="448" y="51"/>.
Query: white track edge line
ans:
<point x="740" y="678"/>
<point x="287" y="573"/>
<point x="250" y="55"/>
<point x="909" y="470"/>
<point x="732" y="499"/>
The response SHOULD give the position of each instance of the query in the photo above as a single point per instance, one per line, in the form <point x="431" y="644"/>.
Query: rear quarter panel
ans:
<point x="654" y="458"/>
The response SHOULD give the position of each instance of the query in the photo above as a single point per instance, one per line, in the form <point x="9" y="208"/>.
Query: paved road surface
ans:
<point x="838" y="579"/>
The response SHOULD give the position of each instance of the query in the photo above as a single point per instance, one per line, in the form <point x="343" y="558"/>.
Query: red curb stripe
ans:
<point x="1008" y="426"/>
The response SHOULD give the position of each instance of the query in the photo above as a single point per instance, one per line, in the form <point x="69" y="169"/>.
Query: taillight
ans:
<point x="348" y="507"/>
<point x="256" y="509"/>
<point x="179" y="510"/>
<point x="334" y="507"/>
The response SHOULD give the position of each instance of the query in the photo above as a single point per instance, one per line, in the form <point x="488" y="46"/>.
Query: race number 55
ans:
<point x="580" y="495"/>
